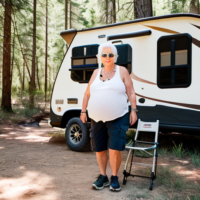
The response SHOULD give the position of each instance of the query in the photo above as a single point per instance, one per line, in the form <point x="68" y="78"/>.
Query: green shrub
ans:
<point x="195" y="156"/>
<point x="178" y="151"/>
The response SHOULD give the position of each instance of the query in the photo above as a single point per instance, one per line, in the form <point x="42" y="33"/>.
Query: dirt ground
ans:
<point x="35" y="164"/>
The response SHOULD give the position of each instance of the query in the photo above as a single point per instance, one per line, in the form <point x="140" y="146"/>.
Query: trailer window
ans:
<point x="83" y="62"/>
<point x="125" y="56"/>
<point x="174" y="61"/>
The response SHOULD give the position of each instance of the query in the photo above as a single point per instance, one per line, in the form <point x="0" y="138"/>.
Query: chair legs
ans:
<point x="127" y="172"/>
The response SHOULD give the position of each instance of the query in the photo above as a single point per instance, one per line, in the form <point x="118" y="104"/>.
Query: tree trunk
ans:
<point x="118" y="5"/>
<point x="23" y="76"/>
<point x="38" y="80"/>
<point x="66" y="14"/>
<point x="46" y="49"/>
<point x="70" y="14"/>
<point x="13" y="57"/>
<point x="114" y="11"/>
<point x="106" y="11"/>
<point x="142" y="8"/>
<point x="32" y="86"/>
<point x="6" y="82"/>
<point x="194" y="8"/>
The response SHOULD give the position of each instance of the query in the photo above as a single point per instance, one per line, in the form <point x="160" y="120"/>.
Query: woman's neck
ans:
<point x="109" y="68"/>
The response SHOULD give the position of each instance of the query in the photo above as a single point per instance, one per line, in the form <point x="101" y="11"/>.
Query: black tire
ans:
<point x="77" y="135"/>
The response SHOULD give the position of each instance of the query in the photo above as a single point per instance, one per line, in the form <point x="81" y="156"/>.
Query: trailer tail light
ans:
<point x="72" y="101"/>
<point x="59" y="101"/>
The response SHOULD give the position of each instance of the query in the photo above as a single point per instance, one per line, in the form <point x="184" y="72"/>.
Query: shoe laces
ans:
<point x="100" y="176"/>
<point x="114" y="179"/>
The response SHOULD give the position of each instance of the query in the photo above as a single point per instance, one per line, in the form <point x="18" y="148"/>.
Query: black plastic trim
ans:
<point x="171" y="119"/>
<point x="68" y="31"/>
<point x="74" y="69"/>
<point x="101" y="36"/>
<point x="69" y="114"/>
<point x="117" y="41"/>
<point x="81" y="57"/>
<point x="129" y="35"/>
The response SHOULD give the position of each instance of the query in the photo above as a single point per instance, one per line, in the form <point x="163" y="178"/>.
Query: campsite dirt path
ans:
<point x="35" y="164"/>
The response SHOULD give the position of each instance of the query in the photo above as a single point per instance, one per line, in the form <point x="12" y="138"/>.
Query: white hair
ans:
<point x="108" y="44"/>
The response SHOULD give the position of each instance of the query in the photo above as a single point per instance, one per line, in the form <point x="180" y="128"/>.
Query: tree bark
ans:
<point x="114" y="11"/>
<point x="193" y="8"/>
<point x="23" y="76"/>
<point x="13" y="57"/>
<point x="46" y="49"/>
<point x="37" y="68"/>
<point x="66" y="14"/>
<point x="32" y="86"/>
<point x="70" y="14"/>
<point x="6" y="82"/>
<point x="106" y="11"/>
<point x="142" y="8"/>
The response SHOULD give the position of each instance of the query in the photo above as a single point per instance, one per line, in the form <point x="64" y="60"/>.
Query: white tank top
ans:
<point x="108" y="99"/>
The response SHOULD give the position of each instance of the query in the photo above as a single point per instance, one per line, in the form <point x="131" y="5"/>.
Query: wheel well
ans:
<point x="69" y="115"/>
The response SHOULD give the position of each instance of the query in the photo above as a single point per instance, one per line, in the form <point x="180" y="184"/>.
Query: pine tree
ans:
<point x="46" y="52"/>
<point x="194" y="6"/>
<point x="11" y="7"/>
<point x="6" y="88"/>
<point x="142" y="9"/>
<point x="32" y="84"/>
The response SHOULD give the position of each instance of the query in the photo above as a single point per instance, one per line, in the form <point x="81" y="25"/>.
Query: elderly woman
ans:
<point x="106" y="98"/>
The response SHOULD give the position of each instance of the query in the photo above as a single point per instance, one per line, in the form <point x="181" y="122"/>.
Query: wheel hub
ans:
<point x="75" y="133"/>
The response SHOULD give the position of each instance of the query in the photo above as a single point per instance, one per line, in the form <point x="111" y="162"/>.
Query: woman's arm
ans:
<point x="130" y="93"/>
<point x="86" y="97"/>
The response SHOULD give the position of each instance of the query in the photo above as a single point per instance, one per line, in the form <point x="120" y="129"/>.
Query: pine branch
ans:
<point x="15" y="26"/>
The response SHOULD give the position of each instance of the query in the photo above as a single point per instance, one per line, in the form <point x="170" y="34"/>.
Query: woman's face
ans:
<point x="107" y="60"/>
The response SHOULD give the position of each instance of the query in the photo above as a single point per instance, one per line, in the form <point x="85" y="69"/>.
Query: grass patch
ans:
<point x="167" y="185"/>
<point x="163" y="152"/>
<point x="26" y="112"/>
<point x="18" y="114"/>
<point x="195" y="156"/>
<point x="175" y="186"/>
<point x="178" y="151"/>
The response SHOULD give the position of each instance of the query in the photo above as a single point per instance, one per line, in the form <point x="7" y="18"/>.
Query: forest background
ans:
<point x="31" y="48"/>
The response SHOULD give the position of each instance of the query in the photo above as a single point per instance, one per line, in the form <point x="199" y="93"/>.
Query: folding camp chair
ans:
<point x="144" y="147"/>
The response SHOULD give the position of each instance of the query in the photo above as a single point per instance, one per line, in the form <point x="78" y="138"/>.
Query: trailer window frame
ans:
<point x="84" y="68"/>
<point x="173" y="68"/>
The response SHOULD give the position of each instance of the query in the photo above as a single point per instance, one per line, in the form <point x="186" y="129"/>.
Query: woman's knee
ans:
<point x="114" y="153"/>
<point x="101" y="153"/>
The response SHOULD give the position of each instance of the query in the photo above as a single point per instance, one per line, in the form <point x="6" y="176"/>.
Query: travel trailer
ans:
<point x="162" y="56"/>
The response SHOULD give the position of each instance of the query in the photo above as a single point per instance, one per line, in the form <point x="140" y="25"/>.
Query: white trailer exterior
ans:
<point x="164" y="67"/>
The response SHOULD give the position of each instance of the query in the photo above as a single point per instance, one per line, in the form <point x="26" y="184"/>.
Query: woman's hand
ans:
<point x="133" y="117"/>
<point x="83" y="117"/>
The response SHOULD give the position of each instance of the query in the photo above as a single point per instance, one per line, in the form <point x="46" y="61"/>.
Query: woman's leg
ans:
<point x="115" y="161"/>
<point x="102" y="160"/>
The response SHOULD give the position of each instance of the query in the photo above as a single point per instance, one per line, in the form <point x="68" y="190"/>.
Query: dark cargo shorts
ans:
<point x="110" y="134"/>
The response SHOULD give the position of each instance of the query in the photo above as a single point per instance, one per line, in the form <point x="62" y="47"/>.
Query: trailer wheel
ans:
<point x="77" y="135"/>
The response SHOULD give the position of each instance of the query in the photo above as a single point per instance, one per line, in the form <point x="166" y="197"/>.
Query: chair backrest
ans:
<point x="147" y="127"/>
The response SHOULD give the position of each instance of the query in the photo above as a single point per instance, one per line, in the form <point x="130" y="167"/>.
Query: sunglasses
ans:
<point x="110" y="55"/>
